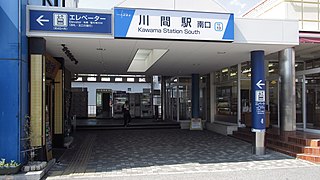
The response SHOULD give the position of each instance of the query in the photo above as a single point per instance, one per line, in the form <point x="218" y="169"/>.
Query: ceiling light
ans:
<point x="246" y="71"/>
<point x="233" y="74"/>
<point x="225" y="70"/>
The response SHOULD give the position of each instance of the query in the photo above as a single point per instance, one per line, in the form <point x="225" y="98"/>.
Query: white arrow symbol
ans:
<point x="259" y="84"/>
<point x="40" y="20"/>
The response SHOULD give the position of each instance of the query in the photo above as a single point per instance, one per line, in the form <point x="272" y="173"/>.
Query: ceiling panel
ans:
<point x="113" y="56"/>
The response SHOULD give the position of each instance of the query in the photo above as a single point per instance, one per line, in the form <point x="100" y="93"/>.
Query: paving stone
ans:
<point x="139" y="152"/>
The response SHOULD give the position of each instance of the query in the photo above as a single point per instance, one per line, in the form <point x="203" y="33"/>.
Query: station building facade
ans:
<point x="36" y="84"/>
<point x="306" y="69"/>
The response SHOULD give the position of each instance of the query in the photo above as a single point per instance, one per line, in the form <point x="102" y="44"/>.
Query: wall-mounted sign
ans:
<point x="59" y="20"/>
<point x="161" y="24"/>
<point x="196" y="124"/>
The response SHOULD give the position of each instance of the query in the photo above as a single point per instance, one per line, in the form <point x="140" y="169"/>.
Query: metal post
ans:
<point x="287" y="90"/>
<point x="178" y="99"/>
<point x="212" y="97"/>
<point x="239" y="95"/>
<point x="163" y="97"/>
<point x="304" y="104"/>
<point x="195" y="96"/>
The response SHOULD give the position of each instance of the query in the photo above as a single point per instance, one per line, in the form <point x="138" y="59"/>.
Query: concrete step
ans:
<point x="309" y="157"/>
<point x="305" y="141"/>
<point x="294" y="148"/>
<point x="281" y="150"/>
<point x="312" y="150"/>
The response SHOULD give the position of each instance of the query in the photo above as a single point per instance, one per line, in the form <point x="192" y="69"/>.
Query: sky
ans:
<point x="238" y="7"/>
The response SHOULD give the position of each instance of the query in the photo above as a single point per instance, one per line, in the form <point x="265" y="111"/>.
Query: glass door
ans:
<point x="313" y="101"/>
<point x="274" y="101"/>
<point x="299" y="102"/>
<point x="185" y="102"/>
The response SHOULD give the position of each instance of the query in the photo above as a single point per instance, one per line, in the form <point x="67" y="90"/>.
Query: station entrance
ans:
<point x="165" y="70"/>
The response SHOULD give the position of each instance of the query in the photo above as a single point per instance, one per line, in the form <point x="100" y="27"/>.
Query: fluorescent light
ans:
<point x="225" y="70"/>
<point x="246" y="71"/>
<point x="233" y="74"/>
<point x="91" y="78"/>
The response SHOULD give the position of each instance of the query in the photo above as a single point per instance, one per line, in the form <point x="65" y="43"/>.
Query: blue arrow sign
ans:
<point x="64" y="21"/>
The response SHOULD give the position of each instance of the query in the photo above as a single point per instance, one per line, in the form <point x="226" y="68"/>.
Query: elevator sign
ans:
<point x="164" y="24"/>
<point x="58" y="20"/>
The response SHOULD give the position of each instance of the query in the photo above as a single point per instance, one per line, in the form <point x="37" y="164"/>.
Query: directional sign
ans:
<point x="60" y="21"/>
<point x="260" y="84"/>
<point x="258" y="102"/>
<point x="40" y="20"/>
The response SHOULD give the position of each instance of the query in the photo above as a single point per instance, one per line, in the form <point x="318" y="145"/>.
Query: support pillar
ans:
<point x="37" y="96"/>
<point x="195" y="96"/>
<point x="287" y="90"/>
<point x="212" y="97"/>
<point x="258" y="101"/>
<point x="163" y="97"/>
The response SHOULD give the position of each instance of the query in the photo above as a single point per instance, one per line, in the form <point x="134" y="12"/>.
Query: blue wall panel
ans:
<point x="14" y="103"/>
<point x="9" y="110"/>
<point x="9" y="13"/>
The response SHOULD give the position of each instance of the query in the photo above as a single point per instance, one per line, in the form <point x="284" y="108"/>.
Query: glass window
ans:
<point x="316" y="63"/>
<point x="234" y="72"/>
<point x="309" y="64"/>
<point x="225" y="74"/>
<point x="313" y="101"/>
<point x="273" y="68"/>
<point x="299" y="66"/>
<point x="273" y="101"/>
<point x="227" y="99"/>
<point x="246" y="69"/>
<point x="218" y="76"/>
<point x="299" y="105"/>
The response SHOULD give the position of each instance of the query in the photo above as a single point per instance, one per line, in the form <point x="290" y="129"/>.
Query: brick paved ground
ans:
<point x="151" y="152"/>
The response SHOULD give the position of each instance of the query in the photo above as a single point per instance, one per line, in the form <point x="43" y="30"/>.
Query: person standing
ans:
<point x="126" y="113"/>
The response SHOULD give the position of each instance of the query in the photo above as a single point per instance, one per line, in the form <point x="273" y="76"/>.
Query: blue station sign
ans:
<point x="166" y="24"/>
<point x="58" y="21"/>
